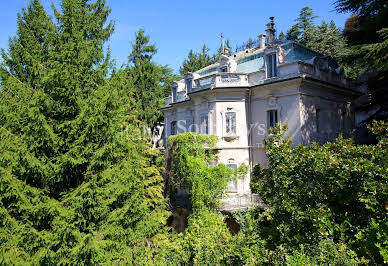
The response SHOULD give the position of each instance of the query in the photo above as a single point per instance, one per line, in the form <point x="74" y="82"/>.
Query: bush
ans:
<point x="337" y="190"/>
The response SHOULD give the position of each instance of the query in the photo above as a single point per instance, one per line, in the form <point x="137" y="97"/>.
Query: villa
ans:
<point x="239" y="98"/>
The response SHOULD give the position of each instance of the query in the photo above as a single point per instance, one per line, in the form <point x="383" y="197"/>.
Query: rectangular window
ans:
<point x="272" y="118"/>
<point x="173" y="128"/>
<point x="317" y="119"/>
<point x="230" y="122"/>
<point x="232" y="185"/>
<point x="224" y="69"/>
<point x="271" y="66"/>
<point x="204" y="127"/>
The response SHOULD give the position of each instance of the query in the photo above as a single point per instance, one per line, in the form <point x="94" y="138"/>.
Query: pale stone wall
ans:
<point x="335" y="113"/>
<point x="283" y="97"/>
<point x="305" y="82"/>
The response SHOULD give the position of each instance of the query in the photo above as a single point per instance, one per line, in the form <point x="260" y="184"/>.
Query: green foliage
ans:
<point x="74" y="190"/>
<point x="77" y="190"/>
<point x="147" y="81"/>
<point x="326" y="252"/>
<point x="196" y="61"/>
<point x="324" y="38"/>
<point x="337" y="190"/>
<point x="190" y="159"/>
<point x="366" y="54"/>
<point x="305" y="22"/>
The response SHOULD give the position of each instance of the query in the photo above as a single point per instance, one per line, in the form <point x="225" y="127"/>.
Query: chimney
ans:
<point x="262" y="41"/>
<point x="270" y="31"/>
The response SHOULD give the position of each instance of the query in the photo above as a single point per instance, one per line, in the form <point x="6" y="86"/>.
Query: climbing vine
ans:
<point x="192" y="164"/>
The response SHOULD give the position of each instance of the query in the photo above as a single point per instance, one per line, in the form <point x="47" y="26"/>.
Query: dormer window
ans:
<point x="189" y="85"/>
<point x="224" y="69"/>
<point x="173" y="94"/>
<point x="271" y="66"/>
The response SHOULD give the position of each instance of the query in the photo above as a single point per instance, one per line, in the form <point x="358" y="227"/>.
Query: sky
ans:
<point x="175" y="27"/>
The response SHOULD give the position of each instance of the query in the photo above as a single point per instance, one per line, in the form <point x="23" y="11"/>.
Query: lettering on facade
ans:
<point x="230" y="79"/>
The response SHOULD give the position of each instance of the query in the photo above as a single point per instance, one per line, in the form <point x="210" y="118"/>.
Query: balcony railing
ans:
<point x="286" y="70"/>
<point x="221" y="80"/>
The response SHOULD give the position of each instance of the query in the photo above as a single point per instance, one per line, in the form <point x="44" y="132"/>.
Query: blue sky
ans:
<point x="178" y="26"/>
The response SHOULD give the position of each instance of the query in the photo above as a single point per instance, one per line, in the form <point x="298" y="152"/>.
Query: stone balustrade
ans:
<point x="286" y="70"/>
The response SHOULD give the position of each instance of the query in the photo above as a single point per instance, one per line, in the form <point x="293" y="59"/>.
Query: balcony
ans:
<point x="311" y="68"/>
<point x="221" y="80"/>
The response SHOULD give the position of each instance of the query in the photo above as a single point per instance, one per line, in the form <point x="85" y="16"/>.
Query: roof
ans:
<point x="251" y="60"/>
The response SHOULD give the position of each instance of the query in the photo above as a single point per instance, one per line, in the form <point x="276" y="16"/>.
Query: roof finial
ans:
<point x="222" y="44"/>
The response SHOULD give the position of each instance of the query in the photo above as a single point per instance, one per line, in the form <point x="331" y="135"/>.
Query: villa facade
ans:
<point x="239" y="98"/>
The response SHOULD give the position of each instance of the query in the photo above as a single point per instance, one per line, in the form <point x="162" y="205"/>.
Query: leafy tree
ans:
<point x="335" y="191"/>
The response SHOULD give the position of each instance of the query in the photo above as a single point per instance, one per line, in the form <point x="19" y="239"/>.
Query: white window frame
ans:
<point x="275" y="121"/>
<point x="231" y="123"/>
<point x="232" y="184"/>
<point x="204" y="129"/>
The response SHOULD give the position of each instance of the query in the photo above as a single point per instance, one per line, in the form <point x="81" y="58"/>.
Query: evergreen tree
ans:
<point x="367" y="35"/>
<point x="148" y="81"/>
<point x="326" y="39"/>
<point x="196" y="61"/>
<point x="305" y="22"/>
<point x="74" y="189"/>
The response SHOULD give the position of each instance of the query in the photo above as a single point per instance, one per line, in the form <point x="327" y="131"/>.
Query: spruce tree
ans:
<point x="324" y="38"/>
<point x="76" y="186"/>
<point x="305" y="22"/>
<point x="148" y="81"/>
<point x="196" y="61"/>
